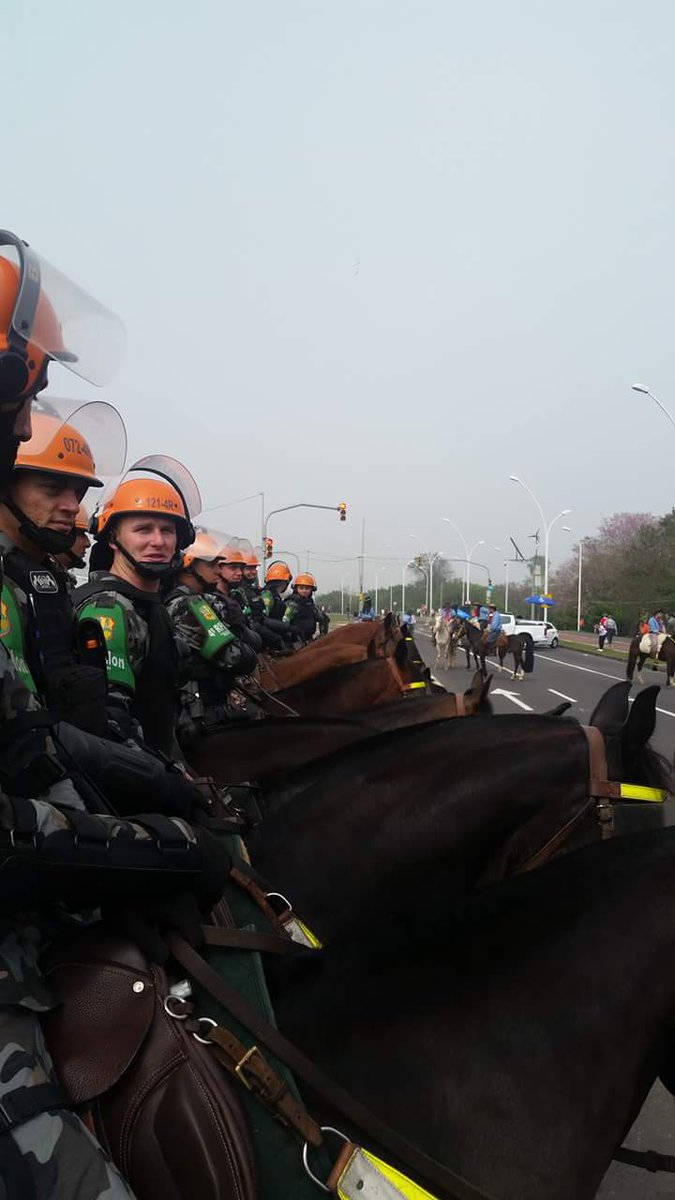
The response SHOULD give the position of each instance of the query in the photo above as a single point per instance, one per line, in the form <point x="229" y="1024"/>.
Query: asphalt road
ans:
<point x="582" y="678"/>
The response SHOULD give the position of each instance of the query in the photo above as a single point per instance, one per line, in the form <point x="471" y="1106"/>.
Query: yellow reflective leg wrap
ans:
<point x="366" y="1177"/>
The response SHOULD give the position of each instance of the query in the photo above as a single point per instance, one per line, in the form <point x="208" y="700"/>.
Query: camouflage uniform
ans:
<point x="217" y="657"/>
<point x="130" y="651"/>
<point x="302" y="617"/>
<point x="45" y="1151"/>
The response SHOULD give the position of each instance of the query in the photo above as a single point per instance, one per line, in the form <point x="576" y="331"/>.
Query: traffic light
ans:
<point x="342" y="509"/>
<point x="418" y="560"/>
<point x="269" y="547"/>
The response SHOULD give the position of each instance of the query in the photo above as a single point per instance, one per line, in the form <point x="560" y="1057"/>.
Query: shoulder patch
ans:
<point x="43" y="581"/>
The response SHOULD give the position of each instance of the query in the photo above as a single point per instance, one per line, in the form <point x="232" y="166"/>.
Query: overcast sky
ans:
<point x="376" y="251"/>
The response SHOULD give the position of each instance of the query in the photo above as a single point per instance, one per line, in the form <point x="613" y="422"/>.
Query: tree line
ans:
<point x="628" y="570"/>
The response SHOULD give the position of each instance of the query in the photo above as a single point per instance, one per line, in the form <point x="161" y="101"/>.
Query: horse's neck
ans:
<point x="535" y="989"/>
<point x="407" y="797"/>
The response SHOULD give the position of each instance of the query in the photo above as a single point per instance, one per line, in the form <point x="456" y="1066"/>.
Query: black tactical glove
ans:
<point x="79" y="694"/>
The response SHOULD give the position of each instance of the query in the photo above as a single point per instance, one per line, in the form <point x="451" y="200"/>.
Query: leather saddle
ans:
<point x="126" y="1052"/>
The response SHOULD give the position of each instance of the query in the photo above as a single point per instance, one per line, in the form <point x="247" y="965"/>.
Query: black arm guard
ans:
<point x="131" y="779"/>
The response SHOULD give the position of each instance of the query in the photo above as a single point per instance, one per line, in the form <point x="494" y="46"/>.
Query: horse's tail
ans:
<point x="633" y="651"/>
<point x="528" y="654"/>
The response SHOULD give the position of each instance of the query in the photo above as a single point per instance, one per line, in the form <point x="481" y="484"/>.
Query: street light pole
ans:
<point x="638" y="387"/>
<point x="465" y="586"/>
<point x="377" y="584"/>
<point x="288" y="507"/>
<point x="547" y="527"/>
<point x="431" y="580"/>
<point x="480" y="542"/>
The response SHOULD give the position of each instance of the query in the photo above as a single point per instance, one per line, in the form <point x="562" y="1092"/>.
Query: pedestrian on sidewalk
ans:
<point x="601" y="631"/>
<point x="611" y="628"/>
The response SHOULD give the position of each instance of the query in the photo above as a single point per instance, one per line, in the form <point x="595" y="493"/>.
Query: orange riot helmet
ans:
<point x="43" y="316"/>
<point x="205" y="548"/>
<point x="163" y="487"/>
<point x="58" y="448"/>
<point x="64" y="432"/>
<point x="278" y="572"/>
<point x="251" y="559"/>
<point x="305" y="580"/>
<point x="231" y="555"/>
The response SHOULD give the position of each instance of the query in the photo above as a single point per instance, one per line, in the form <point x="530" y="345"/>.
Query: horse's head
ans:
<point x="385" y="638"/>
<point x="476" y="697"/>
<point x="413" y="672"/>
<point x="627" y="729"/>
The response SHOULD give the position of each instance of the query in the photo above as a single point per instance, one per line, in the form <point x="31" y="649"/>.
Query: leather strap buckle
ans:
<point x="240" y="1068"/>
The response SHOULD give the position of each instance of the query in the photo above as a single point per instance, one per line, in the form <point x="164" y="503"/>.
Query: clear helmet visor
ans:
<point x="70" y="433"/>
<point x="61" y="319"/>
<point x="173" y="471"/>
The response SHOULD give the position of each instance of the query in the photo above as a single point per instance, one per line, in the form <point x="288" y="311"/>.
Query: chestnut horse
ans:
<point x="346" y="689"/>
<point x="348" y="643"/>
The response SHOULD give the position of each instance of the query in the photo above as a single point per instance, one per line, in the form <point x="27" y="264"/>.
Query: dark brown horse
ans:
<point x="520" y="645"/>
<point x="265" y="751"/>
<point x="514" y="1037"/>
<point x="461" y="800"/>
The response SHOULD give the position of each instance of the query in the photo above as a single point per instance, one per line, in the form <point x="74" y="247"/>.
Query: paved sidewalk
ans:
<point x="591" y="640"/>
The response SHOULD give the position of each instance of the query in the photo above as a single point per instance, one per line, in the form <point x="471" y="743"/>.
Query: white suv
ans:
<point x="543" y="633"/>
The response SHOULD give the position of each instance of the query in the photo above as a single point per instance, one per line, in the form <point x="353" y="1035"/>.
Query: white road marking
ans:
<point x="563" y="696"/>
<point x="589" y="670"/>
<point x="513" y="697"/>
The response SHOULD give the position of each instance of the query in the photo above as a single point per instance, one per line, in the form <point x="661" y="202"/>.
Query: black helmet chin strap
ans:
<point x="204" y="583"/>
<point x="49" y="540"/>
<point x="149" y="570"/>
<point x="74" y="560"/>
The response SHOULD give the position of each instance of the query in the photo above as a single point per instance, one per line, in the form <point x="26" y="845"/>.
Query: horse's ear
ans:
<point x="401" y="653"/>
<point x="388" y="621"/>
<point x="641" y="720"/>
<point x="559" y="709"/>
<point x="609" y="714"/>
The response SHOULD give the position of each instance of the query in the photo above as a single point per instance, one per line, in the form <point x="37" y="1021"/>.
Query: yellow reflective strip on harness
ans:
<point x="368" y="1178"/>
<point x="635" y="791"/>
<point x="301" y="933"/>
<point x="411" y="686"/>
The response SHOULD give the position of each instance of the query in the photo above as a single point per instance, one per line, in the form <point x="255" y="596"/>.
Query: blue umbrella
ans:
<point x="545" y="601"/>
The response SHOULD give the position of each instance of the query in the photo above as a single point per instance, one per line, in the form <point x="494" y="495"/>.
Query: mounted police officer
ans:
<point x="277" y="579"/>
<point x="234" y="604"/>
<point x="74" y="558"/>
<point x="302" y="615"/>
<point x="45" y="1150"/>
<point x="139" y="532"/>
<point x="251" y="594"/>
<point x="38" y="508"/>
<point x="217" y="655"/>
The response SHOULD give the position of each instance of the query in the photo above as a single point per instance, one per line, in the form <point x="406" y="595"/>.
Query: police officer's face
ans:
<point x="230" y="572"/>
<point x="50" y="501"/>
<point x="81" y="544"/>
<point x="208" y="571"/>
<point x="304" y="591"/>
<point x="250" y="574"/>
<point x="147" y="539"/>
<point x="23" y="428"/>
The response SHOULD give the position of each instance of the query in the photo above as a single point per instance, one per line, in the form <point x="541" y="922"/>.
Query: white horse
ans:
<point x="443" y="641"/>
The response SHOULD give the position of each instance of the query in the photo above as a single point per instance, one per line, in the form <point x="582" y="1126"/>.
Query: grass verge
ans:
<point x="619" y="655"/>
